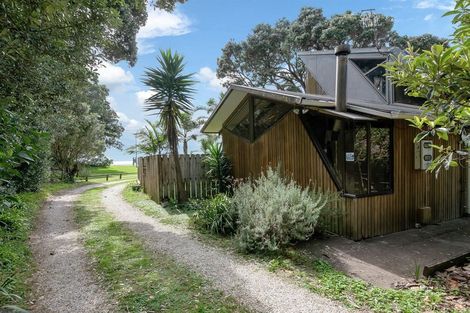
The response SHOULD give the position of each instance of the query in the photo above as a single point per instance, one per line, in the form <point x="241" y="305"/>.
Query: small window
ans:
<point x="239" y="124"/>
<point x="400" y="96"/>
<point x="266" y="114"/>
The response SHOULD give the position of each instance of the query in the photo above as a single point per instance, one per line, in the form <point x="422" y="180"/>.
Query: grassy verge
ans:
<point x="139" y="280"/>
<point x="16" y="263"/>
<point x="168" y="215"/>
<point x="319" y="276"/>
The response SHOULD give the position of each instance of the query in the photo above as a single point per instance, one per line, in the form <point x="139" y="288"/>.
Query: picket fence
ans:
<point x="157" y="177"/>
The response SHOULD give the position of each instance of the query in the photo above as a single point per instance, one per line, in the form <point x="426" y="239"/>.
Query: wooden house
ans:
<point x="348" y="134"/>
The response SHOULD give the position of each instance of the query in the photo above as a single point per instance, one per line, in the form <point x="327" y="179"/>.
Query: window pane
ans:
<point x="377" y="77"/>
<point x="329" y="139"/>
<point x="401" y="97"/>
<point x="240" y="122"/>
<point x="356" y="160"/>
<point x="380" y="160"/>
<point x="267" y="113"/>
<point x="367" y="64"/>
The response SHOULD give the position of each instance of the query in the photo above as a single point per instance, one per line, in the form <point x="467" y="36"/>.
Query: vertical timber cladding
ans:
<point x="288" y="144"/>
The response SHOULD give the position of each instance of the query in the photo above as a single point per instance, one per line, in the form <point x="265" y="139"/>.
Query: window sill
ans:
<point x="353" y="196"/>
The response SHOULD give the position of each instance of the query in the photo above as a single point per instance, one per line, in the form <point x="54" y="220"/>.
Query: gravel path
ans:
<point x="252" y="285"/>
<point x="64" y="281"/>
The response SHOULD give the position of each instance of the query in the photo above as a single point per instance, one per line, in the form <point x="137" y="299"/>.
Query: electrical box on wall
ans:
<point x="423" y="154"/>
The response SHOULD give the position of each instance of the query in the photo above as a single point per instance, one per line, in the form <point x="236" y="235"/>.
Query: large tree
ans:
<point x="172" y="98"/>
<point x="268" y="56"/>
<point x="47" y="48"/>
<point x="441" y="76"/>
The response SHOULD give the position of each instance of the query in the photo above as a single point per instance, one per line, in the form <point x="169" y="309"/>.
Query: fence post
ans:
<point x="107" y="177"/>
<point x="120" y="176"/>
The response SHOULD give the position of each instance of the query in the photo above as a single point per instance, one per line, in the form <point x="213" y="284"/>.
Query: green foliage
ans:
<point x="268" y="56"/>
<point x="218" y="166"/>
<point x="440" y="76"/>
<point x="171" y="100"/>
<point x="142" y="281"/>
<point x="275" y="211"/>
<point x="216" y="215"/>
<point x="152" y="140"/>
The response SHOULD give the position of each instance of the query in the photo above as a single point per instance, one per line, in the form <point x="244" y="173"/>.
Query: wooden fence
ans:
<point x="157" y="177"/>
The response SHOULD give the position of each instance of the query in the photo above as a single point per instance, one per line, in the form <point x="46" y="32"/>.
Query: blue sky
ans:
<point x="199" y="29"/>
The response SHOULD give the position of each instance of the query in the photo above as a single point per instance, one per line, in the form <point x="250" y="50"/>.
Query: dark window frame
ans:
<point x="339" y="179"/>
<point x="252" y="138"/>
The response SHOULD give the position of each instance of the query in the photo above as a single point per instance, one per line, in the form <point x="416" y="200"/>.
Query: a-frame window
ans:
<point x="255" y="116"/>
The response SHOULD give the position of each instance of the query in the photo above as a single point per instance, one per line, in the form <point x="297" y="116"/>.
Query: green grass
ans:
<point x="319" y="276"/>
<point x="113" y="169"/>
<point x="169" y="215"/>
<point x="139" y="280"/>
<point x="129" y="172"/>
<point x="15" y="255"/>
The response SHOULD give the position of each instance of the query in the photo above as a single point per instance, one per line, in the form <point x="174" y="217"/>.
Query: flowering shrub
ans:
<point x="274" y="211"/>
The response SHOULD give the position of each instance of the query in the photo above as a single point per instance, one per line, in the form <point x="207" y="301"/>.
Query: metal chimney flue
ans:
<point x="341" y="53"/>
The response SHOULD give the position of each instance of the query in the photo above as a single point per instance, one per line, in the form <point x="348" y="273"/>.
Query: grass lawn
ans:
<point x="139" y="280"/>
<point x="16" y="263"/>
<point x="129" y="172"/>
<point x="316" y="275"/>
<point x="113" y="169"/>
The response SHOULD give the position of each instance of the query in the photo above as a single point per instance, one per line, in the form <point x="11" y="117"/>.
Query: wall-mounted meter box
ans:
<point x="423" y="154"/>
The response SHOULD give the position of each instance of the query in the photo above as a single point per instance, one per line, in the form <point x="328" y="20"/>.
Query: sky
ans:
<point x="199" y="29"/>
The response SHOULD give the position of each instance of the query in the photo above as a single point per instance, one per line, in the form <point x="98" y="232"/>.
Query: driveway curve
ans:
<point x="255" y="287"/>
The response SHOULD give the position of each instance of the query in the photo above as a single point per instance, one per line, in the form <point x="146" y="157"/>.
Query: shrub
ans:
<point x="275" y="211"/>
<point x="218" y="166"/>
<point x="215" y="215"/>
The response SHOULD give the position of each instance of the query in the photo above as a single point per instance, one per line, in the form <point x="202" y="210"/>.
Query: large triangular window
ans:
<point x="255" y="116"/>
<point x="373" y="71"/>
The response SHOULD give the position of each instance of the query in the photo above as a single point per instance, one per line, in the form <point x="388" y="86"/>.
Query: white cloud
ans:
<point x="207" y="76"/>
<point x="159" y="24"/>
<point x="129" y="124"/>
<point x="112" y="102"/>
<point x="444" y="5"/>
<point x="113" y="75"/>
<point x="428" y="17"/>
<point x="142" y="96"/>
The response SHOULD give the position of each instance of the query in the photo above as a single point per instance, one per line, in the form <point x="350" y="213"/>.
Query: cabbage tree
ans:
<point x="172" y="98"/>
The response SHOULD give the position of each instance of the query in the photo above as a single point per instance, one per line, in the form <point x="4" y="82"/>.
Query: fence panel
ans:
<point x="157" y="176"/>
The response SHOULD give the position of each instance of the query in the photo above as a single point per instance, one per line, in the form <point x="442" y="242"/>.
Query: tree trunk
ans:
<point x="173" y="140"/>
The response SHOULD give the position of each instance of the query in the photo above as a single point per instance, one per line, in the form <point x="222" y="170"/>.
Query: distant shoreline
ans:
<point x="128" y="162"/>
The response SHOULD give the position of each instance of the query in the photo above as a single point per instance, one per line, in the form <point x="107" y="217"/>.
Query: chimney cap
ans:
<point x="342" y="50"/>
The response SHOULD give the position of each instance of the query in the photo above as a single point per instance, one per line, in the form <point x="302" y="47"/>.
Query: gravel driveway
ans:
<point x="253" y="286"/>
<point x="64" y="281"/>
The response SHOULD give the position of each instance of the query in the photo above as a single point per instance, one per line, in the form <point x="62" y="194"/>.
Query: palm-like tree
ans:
<point x="152" y="140"/>
<point x="172" y="98"/>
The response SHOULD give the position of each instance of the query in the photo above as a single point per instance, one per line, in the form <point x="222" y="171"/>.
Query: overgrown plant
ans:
<point x="440" y="75"/>
<point x="275" y="211"/>
<point x="218" y="166"/>
<point x="216" y="215"/>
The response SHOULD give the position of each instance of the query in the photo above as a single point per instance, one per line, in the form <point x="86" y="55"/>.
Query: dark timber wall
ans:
<point x="288" y="144"/>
